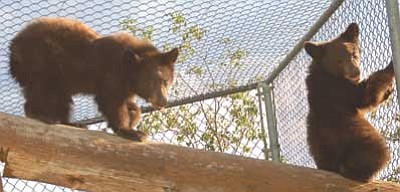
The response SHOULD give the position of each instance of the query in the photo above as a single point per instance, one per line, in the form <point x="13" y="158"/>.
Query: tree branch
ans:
<point x="97" y="161"/>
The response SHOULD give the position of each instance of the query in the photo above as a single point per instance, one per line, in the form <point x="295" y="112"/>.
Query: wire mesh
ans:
<point x="232" y="30"/>
<point x="236" y="33"/>
<point x="229" y="124"/>
<point x="291" y="98"/>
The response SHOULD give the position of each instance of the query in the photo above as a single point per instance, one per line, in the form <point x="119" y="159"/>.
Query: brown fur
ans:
<point x="55" y="58"/>
<point x="339" y="136"/>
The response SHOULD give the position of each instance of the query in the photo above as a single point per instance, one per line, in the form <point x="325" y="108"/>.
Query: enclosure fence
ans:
<point x="239" y="84"/>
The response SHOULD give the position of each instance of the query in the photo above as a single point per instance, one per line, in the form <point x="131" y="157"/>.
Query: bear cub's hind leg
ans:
<point x="364" y="158"/>
<point x="48" y="103"/>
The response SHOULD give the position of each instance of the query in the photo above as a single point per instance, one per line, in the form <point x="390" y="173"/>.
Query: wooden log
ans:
<point x="97" y="161"/>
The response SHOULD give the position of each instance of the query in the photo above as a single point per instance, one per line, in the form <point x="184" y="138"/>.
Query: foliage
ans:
<point x="224" y="124"/>
<point x="187" y="33"/>
<point x="131" y="26"/>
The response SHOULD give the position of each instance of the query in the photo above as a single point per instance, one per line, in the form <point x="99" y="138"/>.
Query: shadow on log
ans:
<point x="97" y="161"/>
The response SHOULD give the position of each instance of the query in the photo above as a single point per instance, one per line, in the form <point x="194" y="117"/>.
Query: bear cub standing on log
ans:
<point x="55" y="58"/>
<point x="340" y="138"/>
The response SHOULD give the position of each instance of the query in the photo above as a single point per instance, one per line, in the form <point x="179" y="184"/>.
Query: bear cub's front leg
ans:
<point x="122" y="116"/>
<point x="134" y="115"/>
<point x="378" y="87"/>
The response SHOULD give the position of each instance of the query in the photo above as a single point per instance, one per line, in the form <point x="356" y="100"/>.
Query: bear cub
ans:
<point x="340" y="138"/>
<point x="55" y="58"/>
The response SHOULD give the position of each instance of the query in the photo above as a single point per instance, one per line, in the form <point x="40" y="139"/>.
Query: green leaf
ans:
<point x="196" y="70"/>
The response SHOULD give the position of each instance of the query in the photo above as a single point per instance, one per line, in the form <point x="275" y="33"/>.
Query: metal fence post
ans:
<point x="392" y="9"/>
<point x="264" y="134"/>
<point x="271" y="121"/>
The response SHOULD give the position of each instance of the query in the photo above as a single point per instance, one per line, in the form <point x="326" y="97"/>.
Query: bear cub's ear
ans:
<point x="313" y="49"/>
<point x="351" y="34"/>
<point x="131" y="57"/>
<point x="171" y="56"/>
<point x="389" y="68"/>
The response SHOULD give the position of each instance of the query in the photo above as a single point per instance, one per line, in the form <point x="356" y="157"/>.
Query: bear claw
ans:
<point x="133" y="135"/>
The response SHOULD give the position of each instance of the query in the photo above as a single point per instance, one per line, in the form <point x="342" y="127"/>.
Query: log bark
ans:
<point x="97" y="161"/>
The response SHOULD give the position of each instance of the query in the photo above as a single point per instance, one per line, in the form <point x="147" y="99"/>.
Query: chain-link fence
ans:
<point x="224" y="43"/>
<point x="291" y="98"/>
<point x="227" y="46"/>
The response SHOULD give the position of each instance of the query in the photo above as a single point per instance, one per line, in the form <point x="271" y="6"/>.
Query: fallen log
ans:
<point x="96" y="161"/>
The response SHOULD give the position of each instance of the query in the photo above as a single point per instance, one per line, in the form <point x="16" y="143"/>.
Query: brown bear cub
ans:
<point x="55" y="58"/>
<point x="340" y="138"/>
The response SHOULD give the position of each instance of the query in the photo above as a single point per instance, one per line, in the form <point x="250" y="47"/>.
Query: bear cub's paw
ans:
<point x="133" y="135"/>
<point x="387" y="79"/>
<point x="382" y="84"/>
